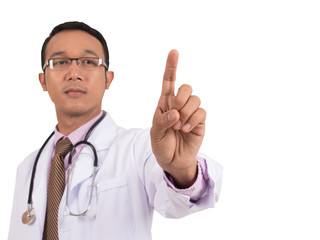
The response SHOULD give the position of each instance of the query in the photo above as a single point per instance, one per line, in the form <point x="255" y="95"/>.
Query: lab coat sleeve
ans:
<point x="20" y="197"/>
<point x="163" y="198"/>
<point x="14" y="214"/>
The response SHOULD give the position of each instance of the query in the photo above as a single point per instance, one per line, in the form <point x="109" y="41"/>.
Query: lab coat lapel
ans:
<point x="101" y="138"/>
<point x="41" y="184"/>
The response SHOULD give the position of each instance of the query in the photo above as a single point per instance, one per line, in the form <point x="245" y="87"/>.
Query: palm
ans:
<point x="180" y="146"/>
<point x="172" y="144"/>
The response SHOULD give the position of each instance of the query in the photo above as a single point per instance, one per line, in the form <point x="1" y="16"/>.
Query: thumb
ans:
<point x="163" y="121"/>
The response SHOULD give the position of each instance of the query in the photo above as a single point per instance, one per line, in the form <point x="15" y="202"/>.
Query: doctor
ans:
<point x="137" y="170"/>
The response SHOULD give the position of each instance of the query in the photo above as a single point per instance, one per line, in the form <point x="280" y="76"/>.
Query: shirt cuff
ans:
<point x="196" y="190"/>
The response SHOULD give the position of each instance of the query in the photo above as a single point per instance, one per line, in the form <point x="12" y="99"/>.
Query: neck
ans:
<point x="67" y="122"/>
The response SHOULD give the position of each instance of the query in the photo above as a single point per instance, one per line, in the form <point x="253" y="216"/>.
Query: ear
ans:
<point x="42" y="80"/>
<point x="109" y="78"/>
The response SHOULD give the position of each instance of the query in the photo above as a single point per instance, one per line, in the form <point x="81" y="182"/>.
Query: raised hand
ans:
<point x="178" y="127"/>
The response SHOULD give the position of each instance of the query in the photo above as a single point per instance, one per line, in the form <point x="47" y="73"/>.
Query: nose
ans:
<point x="74" y="72"/>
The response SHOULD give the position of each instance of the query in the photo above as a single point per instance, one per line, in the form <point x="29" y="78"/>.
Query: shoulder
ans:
<point x="108" y="133"/>
<point x="28" y="162"/>
<point x="117" y="133"/>
<point x="134" y="140"/>
<point x="25" y="168"/>
<point x="134" y="134"/>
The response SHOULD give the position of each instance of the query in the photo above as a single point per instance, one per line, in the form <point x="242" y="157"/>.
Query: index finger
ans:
<point x="169" y="76"/>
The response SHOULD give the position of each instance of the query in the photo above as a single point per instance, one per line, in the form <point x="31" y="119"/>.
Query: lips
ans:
<point x="74" y="92"/>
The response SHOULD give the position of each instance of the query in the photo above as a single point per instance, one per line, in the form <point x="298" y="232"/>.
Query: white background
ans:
<point x="254" y="64"/>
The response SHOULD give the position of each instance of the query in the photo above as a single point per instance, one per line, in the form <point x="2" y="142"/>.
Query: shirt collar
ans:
<point x="78" y="134"/>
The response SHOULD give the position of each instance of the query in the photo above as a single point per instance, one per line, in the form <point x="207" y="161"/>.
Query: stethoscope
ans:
<point x="29" y="216"/>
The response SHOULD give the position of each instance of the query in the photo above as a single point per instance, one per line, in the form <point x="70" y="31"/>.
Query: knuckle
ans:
<point x="203" y="112"/>
<point x="183" y="116"/>
<point x="186" y="87"/>
<point x="195" y="99"/>
<point x="198" y="117"/>
<point x="179" y="103"/>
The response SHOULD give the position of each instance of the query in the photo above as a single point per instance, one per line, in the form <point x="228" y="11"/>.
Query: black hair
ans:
<point x="75" y="26"/>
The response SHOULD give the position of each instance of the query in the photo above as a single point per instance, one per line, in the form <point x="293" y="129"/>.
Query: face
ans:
<point x="75" y="91"/>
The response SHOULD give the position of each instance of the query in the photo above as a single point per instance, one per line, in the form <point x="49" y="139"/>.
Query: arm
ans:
<point x="178" y="128"/>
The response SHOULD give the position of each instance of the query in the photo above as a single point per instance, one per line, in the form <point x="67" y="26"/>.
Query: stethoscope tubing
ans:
<point x="35" y="168"/>
<point x="29" y="215"/>
<point x="85" y="141"/>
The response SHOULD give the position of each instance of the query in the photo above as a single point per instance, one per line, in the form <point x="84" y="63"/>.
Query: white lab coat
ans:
<point x="129" y="185"/>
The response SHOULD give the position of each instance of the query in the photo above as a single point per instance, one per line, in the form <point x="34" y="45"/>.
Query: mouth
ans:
<point x="74" y="92"/>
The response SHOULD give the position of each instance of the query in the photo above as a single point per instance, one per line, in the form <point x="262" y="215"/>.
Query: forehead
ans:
<point x="73" y="43"/>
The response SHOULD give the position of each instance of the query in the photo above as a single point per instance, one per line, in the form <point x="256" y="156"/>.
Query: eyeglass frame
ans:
<point x="100" y="62"/>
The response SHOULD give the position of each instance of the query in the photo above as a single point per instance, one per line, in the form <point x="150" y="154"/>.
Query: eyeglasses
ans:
<point x="88" y="63"/>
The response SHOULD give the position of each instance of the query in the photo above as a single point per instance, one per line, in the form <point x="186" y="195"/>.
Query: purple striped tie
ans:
<point x="55" y="189"/>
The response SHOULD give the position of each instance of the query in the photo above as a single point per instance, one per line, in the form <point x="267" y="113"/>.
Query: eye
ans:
<point x="89" y="62"/>
<point x="60" y="62"/>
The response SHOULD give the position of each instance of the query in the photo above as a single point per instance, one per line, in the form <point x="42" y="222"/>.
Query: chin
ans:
<point x="76" y="111"/>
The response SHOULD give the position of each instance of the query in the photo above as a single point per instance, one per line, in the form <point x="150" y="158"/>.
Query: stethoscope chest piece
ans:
<point x="28" y="216"/>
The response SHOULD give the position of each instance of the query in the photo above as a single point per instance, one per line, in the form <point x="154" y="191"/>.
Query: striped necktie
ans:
<point x="55" y="189"/>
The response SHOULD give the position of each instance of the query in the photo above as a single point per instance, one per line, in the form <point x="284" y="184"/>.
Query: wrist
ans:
<point x="184" y="178"/>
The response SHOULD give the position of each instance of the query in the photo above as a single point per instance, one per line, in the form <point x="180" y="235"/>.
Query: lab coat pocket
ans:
<point x="114" y="209"/>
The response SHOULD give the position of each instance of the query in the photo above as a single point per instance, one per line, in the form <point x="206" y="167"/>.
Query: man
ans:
<point x="137" y="170"/>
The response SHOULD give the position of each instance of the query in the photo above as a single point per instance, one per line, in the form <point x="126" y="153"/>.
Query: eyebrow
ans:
<point x="90" y="52"/>
<point x="57" y="53"/>
<point x="63" y="53"/>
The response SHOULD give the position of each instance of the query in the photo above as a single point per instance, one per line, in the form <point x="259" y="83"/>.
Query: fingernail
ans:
<point x="186" y="127"/>
<point x="177" y="125"/>
<point x="171" y="116"/>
